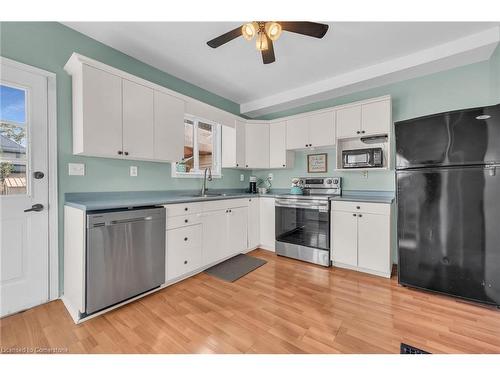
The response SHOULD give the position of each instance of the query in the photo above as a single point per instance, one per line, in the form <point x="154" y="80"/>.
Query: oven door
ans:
<point x="304" y="222"/>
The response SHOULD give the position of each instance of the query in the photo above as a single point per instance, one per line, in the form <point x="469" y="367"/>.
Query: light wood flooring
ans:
<point x="285" y="306"/>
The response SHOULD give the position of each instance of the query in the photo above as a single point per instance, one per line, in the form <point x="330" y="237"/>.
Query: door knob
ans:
<point x="36" y="207"/>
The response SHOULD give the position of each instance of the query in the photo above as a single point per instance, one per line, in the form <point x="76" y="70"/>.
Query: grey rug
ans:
<point x="235" y="267"/>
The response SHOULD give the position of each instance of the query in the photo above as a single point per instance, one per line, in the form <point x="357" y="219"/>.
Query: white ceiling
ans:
<point x="235" y="70"/>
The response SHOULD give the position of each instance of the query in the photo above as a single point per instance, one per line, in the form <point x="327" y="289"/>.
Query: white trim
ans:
<point x="52" y="171"/>
<point x="467" y="50"/>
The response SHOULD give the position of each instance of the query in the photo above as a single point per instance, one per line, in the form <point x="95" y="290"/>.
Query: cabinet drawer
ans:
<point x="183" y="221"/>
<point x="224" y="204"/>
<point x="183" y="209"/>
<point x="373" y="208"/>
<point x="184" y="253"/>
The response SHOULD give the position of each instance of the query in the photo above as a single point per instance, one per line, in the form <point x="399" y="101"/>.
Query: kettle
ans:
<point x="296" y="189"/>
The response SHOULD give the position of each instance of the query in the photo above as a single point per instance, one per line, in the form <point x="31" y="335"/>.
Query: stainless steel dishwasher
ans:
<point x="125" y="255"/>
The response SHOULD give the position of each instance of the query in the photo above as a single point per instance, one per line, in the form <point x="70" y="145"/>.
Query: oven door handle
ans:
<point x="306" y="206"/>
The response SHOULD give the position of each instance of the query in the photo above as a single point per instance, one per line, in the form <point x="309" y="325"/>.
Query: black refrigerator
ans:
<point x="448" y="194"/>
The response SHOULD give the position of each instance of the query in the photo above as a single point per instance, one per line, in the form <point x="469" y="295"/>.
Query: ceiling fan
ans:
<point x="266" y="32"/>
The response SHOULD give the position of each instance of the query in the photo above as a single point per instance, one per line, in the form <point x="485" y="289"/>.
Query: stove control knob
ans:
<point x="328" y="181"/>
<point x="335" y="181"/>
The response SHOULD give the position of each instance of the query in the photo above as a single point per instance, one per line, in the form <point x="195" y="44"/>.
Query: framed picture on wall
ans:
<point x="317" y="163"/>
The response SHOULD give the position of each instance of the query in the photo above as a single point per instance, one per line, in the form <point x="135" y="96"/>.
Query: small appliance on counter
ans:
<point x="303" y="221"/>
<point x="264" y="185"/>
<point x="252" y="189"/>
<point x="296" y="189"/>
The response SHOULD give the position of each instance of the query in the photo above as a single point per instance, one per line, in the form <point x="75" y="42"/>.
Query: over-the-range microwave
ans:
<point x="363" y="158"/>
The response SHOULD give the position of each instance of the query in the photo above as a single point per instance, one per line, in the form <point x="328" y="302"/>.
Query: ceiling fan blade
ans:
<point x="224" y="38"/>
<point x="314" y="29"/>
<point x="268" y="54"/>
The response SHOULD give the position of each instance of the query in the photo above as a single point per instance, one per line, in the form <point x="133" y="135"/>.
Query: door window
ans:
<point x="13" y="141"/>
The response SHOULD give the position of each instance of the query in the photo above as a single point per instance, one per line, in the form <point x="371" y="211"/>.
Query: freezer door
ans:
<point x="452" y="138"/>
<point x="449" y="231"/>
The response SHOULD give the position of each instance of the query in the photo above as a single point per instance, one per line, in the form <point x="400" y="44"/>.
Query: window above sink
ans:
<point x="202" y="149"/>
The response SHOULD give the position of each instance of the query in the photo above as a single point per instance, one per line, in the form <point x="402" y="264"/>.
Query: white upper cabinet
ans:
<point x="138" y="118"/>
<point x="257" y="145"/>
<point x="314" y="130"/>
<point x="168" y="127"/>
<point x="228" y="147"/>
<point x="97" y="113"/>
<point x="240" y="127"/>
<point x="322" y="129"/>
<point x="376" y="117"/>
<point x="349" y="122"/>
<point x="366" y="118"/>
<point x="279" y="157"/>
<point x="296" y="133"/>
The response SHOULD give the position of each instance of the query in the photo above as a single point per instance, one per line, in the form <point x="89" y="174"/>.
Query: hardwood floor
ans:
<point x="285" y="306"/>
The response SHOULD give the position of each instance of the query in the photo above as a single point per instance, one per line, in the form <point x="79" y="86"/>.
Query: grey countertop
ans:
<point x="110" y="200"/>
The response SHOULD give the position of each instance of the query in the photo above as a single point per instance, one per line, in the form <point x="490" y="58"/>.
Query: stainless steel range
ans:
<point x="303" y="221"/>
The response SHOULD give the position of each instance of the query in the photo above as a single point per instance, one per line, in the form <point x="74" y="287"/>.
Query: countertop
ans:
<point x="110" y="200"/>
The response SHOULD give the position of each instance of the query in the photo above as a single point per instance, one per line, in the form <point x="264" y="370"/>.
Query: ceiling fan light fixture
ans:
<point x="261" y="41"/>
<point x="273" y="30"/>
<point x="249" y="30"/>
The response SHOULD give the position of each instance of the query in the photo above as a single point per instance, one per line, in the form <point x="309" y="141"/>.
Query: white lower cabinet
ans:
<point x="202" y="234"/>
<point x="361" y="237"/>
<point x="184" y="250"/>
<point x="253" y="223"/>
<point x="267" y="223"/>
<point x="214" y="234"/>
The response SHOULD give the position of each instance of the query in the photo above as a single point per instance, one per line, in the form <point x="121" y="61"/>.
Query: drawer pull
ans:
<point x="185" y="262"/>
<point x="185" y="208"/>
<point x="185" y="238"/>
<point x="186" y="220"/>
<point x="360" y="215"/>
<point x="354" y="215"/>
<point x="358" y="207"/>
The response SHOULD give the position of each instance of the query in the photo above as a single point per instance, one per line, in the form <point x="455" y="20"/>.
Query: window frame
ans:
<point x="216" y="150"/>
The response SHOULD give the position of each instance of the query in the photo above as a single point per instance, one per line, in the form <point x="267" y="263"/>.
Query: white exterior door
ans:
<point x="24" y="251"/>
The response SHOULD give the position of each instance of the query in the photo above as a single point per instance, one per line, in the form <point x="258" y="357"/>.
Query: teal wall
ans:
<point x="468" y="86"/>
<point x="48" y="45"/>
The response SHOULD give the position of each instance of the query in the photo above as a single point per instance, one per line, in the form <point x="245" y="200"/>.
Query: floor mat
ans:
<point x="235" y="267"/>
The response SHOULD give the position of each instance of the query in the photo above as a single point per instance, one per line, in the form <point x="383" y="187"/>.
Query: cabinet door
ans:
<point x="237" y="230"/>
<point x="168" y="127"/>
<point x="102" y="114"/>
<point x="277" y="145"/>
<point x="267" y="223"/>
<point x="228" y="147"/>
<point x="376" y="118"/>
<point x="214" y="236"/>
<point x="344" y="238"/>
<point x="257" y="146"/>
<point x="240" y="144"/>
<point x="322" y="129"/>
<point x="348" y="122"/>
<point x="374" y="249"/>
<point x="253" y="223"/>
<point x="138" y="115"/>
<point x="297" y="133"/>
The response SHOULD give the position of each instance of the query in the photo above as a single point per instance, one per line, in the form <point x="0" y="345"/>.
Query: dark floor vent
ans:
<point x="408" y="349"/>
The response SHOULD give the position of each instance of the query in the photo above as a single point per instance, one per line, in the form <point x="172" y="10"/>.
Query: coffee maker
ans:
<point x="253" y="185"/>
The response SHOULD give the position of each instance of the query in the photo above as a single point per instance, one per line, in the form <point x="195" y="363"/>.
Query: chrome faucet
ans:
<point x="204" y="187"/>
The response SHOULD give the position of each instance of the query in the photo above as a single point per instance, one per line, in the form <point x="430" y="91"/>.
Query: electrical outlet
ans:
<point x="364" y="174"/>
<point x="270" y="176"/>
<point x="76" y="169"/>
<point x="133" y="171"/>
<point x="242" y="177"/>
